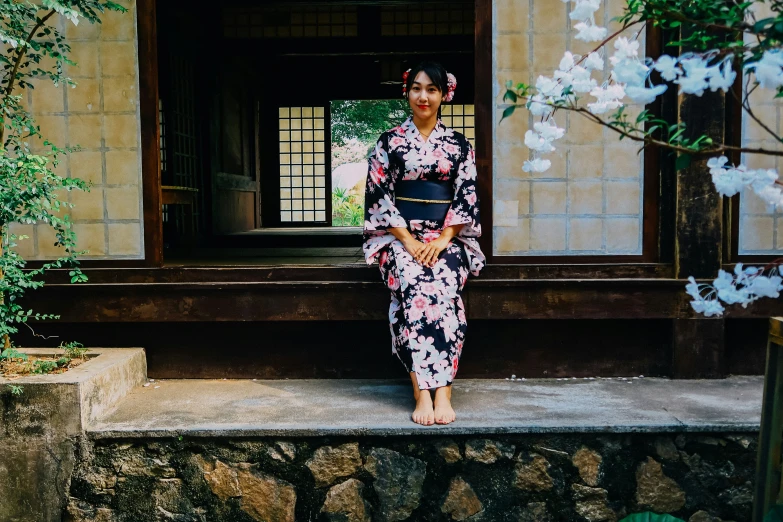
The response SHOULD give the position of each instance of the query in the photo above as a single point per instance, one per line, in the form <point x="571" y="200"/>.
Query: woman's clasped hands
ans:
<point x="427" y="253"/>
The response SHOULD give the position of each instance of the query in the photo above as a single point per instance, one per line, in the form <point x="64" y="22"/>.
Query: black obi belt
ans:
<point x="426" y="200"/>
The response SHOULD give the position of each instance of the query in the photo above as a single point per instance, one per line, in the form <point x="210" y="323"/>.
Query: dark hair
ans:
<point x="435" y="71"/>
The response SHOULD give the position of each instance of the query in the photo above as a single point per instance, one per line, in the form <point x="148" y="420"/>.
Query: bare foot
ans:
<point x="424" y="414"/>
<point x="444" y="413"/>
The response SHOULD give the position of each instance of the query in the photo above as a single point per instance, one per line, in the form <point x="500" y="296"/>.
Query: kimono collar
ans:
<point x="412" y="132"/>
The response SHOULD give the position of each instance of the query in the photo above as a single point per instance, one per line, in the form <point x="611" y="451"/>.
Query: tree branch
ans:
<point x="20" y="52"/>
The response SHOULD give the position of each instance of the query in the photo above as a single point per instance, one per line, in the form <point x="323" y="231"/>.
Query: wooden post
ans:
<point x="698" y="344"/>
<point x="768" y="469"/>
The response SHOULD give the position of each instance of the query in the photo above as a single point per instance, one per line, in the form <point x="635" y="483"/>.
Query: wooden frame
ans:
<point x="153" y="239"/>
<point x="150" y="132"/>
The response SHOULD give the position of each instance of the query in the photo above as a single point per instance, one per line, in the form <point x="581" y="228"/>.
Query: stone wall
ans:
<point x="590" y="201"/>
<point x="101" y="115"/>
<point x="530" y="478"/>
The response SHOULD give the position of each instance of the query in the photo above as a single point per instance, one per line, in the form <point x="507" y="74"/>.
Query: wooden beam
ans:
<point x="150" y="131"/>
<point x="367" y="300"/>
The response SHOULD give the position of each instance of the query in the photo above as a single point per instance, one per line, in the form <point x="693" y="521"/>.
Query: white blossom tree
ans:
<point x="717" y="39"/>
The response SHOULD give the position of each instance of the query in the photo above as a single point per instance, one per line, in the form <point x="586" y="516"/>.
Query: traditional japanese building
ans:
<point x="210" y="225"/>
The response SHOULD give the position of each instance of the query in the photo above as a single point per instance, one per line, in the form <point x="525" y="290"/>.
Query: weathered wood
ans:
<point x="353" y="272"/>
<point x="484" y="106"/>
<point x="699" y="217"/>
<point x="698" y="347"/>
<point x="150" y="132"/>
<point x="768" y="478"/>
<point x="366" y="300"/>
<point x="362" y="349"/>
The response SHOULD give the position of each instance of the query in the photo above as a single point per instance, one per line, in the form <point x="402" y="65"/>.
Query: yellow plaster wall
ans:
<point x="101" y="114"/>
<point x="590" y="201"/>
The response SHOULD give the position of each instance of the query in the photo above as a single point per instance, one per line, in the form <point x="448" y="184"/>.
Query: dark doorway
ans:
<point x="246" y="119"/>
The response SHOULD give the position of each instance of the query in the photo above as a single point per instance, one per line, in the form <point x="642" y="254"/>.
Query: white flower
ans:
<point x="644" y="95"/>
<point x="535" y="142"/>
<point x="771" y="195"/>
<point x="768" y="69"/>
<point x="667" y="66"/>
<point x="594" y="61"/>
<point x="632" y="72"/>
<point x="625" y="49"/>
<point x="763" y="286"/>
<point x="724" y="79"/>
<point x="566" y="78"/>
<point x="584" y="10"/>
<point x="694" y="81"/>
<point x="590" y="33"/>
<point x="727" y="291"/>
<point x="727" y="181"/>
<point x="608" y="98"/>
<point x="717" y="163"/>
<point x="604" y="106"/>
<point x="538" y="105"/>
<point x="581" y="80"/>
<point x="708" y="307"/>
<point x="549" y="131"/>
<point x="549" y="86"/>
<point x="692" y="288"/>
<point x="537" y="165"/>
<point x="566" y="62"/>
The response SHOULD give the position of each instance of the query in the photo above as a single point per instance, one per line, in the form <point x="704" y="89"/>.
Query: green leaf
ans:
<point x="510" y="97"/>
<point x="649" y="516"/>
<point x="508" y="112"/>
<point x="775" y="514"/>
<point x="683" y="161"/>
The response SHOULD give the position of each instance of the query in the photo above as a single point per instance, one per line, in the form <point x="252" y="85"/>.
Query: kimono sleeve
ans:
<point x="465" y="206"/>
<point x="380" y="213"/>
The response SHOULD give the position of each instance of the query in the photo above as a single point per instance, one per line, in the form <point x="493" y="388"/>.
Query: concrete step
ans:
<point x="252" y="408"/>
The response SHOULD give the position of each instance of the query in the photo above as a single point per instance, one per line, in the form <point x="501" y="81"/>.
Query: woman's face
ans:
<point x="424" y="96"/>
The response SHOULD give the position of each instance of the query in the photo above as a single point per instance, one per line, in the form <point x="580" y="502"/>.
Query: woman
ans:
<point x="421" y="224"/>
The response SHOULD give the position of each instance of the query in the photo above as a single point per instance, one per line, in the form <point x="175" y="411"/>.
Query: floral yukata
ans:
<point x="427" y="315"/>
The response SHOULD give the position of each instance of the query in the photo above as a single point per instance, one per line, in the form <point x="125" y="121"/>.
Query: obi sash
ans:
<point x="426" y="200"/>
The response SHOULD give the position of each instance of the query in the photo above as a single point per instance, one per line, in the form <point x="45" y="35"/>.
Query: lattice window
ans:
<point x="460" y="118"/>
<point x="185" y="168"/>
<point x="428" y="19"/>
<point x="302" y="164"/>
<point x="290" y="22"/>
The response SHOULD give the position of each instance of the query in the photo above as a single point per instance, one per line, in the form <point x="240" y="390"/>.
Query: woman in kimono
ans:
<point x="425" y="262"/>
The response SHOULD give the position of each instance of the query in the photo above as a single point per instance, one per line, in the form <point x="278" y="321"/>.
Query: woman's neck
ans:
<point x="425" y="126"/>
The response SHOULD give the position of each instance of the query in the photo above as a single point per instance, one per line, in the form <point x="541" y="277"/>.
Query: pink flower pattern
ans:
<point x="427" y="313"/>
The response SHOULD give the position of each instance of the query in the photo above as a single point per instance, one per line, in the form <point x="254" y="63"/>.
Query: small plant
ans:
<point x="40" y="367"/>
<point x="74" y="350"/>
<point x="9" y="354"/>
<point x="16" y="391"/>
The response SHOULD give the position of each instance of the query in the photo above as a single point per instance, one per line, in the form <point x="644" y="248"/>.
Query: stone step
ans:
<point x="323" y="407"/>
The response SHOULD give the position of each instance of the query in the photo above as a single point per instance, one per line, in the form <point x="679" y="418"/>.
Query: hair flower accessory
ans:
<point x="452" y="86"/>
<point x="405" y="83"/>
